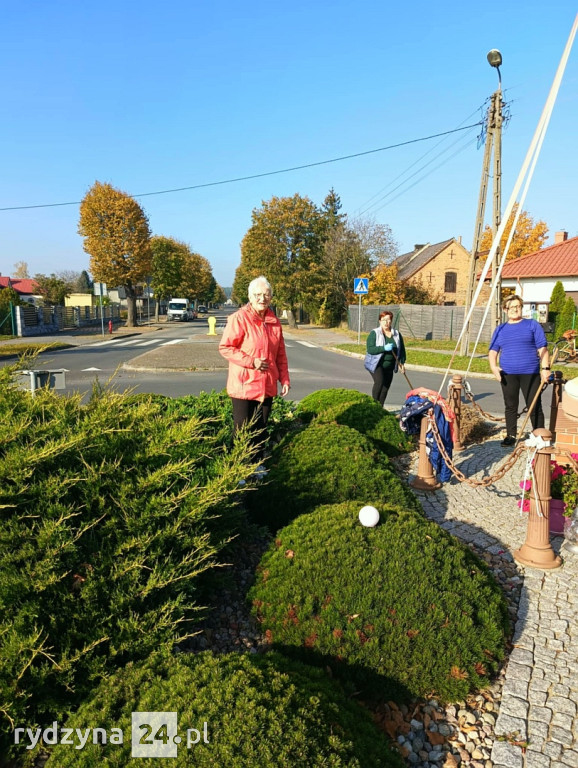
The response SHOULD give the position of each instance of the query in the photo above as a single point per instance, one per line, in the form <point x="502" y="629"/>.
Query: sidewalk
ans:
<point x="537" y="723"/>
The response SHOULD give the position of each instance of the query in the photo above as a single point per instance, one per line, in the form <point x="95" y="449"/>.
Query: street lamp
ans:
<point x="495" y="60"/>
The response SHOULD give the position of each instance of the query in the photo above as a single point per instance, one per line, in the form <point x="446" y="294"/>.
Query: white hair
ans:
<point x="253" y="284"/>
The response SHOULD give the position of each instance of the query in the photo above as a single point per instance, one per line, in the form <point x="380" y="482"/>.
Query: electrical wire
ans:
<point x="481" y="109"/>
<point x="411" y="176"/>
<point x="257" y="175"/>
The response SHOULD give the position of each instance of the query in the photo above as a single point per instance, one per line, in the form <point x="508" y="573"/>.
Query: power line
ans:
<point x="418" y="181"/>
<point x="415" y="173"/>
<point x="369" y="204"/>
<point x="257" y="175"/>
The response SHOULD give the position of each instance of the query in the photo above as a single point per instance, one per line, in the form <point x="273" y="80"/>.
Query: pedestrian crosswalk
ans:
<point x="137" y="341"/>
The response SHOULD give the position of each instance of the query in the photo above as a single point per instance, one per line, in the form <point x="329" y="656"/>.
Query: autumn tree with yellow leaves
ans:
<point x="117" y="238"/>
<point x="529" y="236"/>
<point x="284" y="243"/>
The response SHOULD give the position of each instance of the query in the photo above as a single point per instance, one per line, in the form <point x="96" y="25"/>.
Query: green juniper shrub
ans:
<point x="402" y="609"/>
<point x="217" y="409"/>
<point x="324" y="463"/>
<point x="323" y="399"/>
<point x="112" y="516"/>
<point x="261" y="712"/>
<point x="369" y="418"/>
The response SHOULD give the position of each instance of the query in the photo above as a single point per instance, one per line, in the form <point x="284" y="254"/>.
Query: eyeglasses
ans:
<point x="261" y="295"/>
<point x="513" y="306"/>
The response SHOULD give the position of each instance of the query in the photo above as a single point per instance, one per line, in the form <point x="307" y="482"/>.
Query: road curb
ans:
<point x="413" y="367"/>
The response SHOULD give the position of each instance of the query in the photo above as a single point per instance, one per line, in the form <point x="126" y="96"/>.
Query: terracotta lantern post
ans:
<point x="456" y="403"/>
<point x="426" y="479"/>
<point x="536" y="550"/>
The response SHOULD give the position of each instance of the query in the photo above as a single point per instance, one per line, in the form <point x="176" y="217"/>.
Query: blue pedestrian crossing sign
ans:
<point x="361" y="285"/>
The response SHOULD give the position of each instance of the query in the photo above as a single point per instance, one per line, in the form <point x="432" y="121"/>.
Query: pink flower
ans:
<point x="524" y="505"/>
<point x="526" y="485"/>
<point x="558" y="471"/>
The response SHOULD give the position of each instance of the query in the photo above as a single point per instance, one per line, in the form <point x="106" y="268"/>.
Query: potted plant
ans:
<point x="564" y="493"/>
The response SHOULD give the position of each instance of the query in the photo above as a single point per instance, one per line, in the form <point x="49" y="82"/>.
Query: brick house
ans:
<point x="442" y="268"/>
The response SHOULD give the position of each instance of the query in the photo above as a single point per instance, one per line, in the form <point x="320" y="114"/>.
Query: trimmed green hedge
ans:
<point x="320" y="401"/>
<point x="402" y="609"/>
<point x="261" y="712"/>
<point x="371" y="420"/>
<point x="324" y="463"/>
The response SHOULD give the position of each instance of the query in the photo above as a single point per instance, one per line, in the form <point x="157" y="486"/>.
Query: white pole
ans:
<point x="101" y="312"/>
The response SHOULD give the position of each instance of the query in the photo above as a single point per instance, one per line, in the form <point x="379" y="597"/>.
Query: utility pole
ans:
<point x="494" y="120"/>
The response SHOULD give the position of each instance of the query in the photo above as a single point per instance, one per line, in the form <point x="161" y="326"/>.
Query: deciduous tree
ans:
<point x="168" y="260"/>
<point x="385" y="286"/>
<point x="117" y="237"/>
<point x="529" y="236"/>
<point x="53" y="289"/>
<point x="284" y="243"/>
<point x="20" y="271"/>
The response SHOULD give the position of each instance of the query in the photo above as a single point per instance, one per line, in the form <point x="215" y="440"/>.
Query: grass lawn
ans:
<point x="30" y="347"/>
<point x="422" y="356"/>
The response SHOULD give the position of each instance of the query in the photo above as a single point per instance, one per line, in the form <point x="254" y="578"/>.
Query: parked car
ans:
<point x="202" y="310"/>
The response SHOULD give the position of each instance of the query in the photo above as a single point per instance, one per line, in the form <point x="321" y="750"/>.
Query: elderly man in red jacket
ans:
<point x="253" y="344"/>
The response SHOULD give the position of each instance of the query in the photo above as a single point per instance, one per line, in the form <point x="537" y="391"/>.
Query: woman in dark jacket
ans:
<point x="387" y="341"/>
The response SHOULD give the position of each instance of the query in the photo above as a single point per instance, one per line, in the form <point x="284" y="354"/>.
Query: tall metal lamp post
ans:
<point x="494" y="120"/>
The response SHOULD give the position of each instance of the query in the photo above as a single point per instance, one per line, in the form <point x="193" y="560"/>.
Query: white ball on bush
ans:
<point x="368" y="516"/>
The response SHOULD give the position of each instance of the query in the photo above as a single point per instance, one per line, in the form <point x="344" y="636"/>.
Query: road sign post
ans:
<point x="360" y="287"/>
<point x="100" y="290"/>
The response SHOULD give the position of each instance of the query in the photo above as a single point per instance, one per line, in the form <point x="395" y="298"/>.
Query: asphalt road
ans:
<point x="311" y="366"/>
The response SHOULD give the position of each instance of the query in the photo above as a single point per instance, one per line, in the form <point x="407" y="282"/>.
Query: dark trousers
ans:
<point x="528" y="384"/>
<point x="382" y="378"/>
<point x="245" y="411"/>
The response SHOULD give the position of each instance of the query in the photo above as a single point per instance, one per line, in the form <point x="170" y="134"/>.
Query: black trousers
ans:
<point x="382" y="378"/>
<point x="528" y="384"/>
<point x="246" y="410"/>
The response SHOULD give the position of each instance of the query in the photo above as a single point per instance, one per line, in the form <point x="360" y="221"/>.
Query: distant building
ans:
<point x="442" y="268"/>
<point x="26" y="288"/>
<point x="81" y="300"/>
<point x="534" y="276"/>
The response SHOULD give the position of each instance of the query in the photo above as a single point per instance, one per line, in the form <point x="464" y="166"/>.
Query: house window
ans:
<point x="451" y="282"/>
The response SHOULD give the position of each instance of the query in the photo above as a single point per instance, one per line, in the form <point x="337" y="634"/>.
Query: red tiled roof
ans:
<point x="560" y="260"/>
<point x="24" y="287"/>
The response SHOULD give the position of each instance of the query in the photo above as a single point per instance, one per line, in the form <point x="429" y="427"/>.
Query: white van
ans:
<point x="179" y="309"/>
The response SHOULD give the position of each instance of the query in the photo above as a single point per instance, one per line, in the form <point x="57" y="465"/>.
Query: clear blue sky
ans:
<point x="155" y="95"/>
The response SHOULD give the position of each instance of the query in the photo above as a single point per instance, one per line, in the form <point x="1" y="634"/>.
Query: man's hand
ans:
<point x="284" y="390"/>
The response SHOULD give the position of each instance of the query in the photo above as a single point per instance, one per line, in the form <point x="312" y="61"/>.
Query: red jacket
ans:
<point x="245" y="338"/>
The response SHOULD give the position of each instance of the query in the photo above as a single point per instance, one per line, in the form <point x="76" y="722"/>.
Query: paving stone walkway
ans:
<point x="537" y="725"/>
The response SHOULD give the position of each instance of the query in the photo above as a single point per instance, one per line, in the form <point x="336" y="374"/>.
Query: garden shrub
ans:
<point x="261" y="712"/>
<point x="402" y="609"/>
<point x="217" y="409"/>
<point x="111" y="516"/>
<point x="369" y="418"/>
<point x="320" y="401"/>
<point x="324" y="463"/>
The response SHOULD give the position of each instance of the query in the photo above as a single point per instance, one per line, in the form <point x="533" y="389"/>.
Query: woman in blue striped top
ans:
<point x="524" y="363"/>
